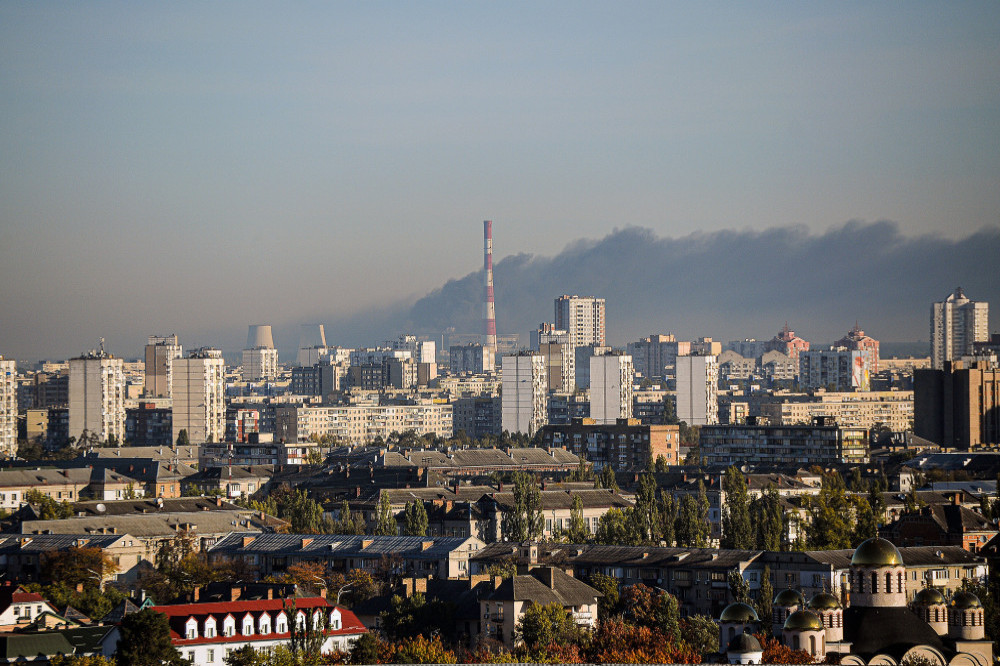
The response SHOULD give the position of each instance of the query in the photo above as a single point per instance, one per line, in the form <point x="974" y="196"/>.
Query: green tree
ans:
<point x="578" y="532"/>
<point x="606" y="479"/>
<point x="415" y="519"/>
<point x="365" y="649"/>
<point x="524" y="520"/>
<point x="666" y="517"/>
<point x="739" y="588"/>
<point x="643" y="514"/>
<point x="661" y="463"/>
<point x="705" y="528"/>
<point x="765" y="597"/>
<point x="701" y="633"/>
<point x="736" y="530"/>
<point x="385" y="523"/>
<point x="415" y="615"/>
<point x="865" y="526"/>
<point x="348" y="522"/>
<point x="687" y="528"/>
<point x="144" y="640"/>
<point x="830" y="512"/>
<point x="542" y="625"/>
<point x="48" y="508"/>
<point x="767" y="518"/>
<point x="245" y="656"/>
<point x="505" y="568"/>
<point x="607" y="605"/>
<point x="612" y="528"/>
<point x="182" y="438"/>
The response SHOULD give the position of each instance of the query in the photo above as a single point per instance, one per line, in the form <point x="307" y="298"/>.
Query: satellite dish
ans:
<point x="101" y="508"/>
<point x="159" y="502"/>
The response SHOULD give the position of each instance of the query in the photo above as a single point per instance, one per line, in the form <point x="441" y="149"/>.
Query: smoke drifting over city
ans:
<point x="726" y="284"/>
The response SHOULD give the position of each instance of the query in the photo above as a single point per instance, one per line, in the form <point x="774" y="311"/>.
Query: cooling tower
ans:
<point x="312" y="335"/>
<point x="259" y="337"/>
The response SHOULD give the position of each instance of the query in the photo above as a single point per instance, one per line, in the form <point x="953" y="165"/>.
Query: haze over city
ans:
<point x="708" y="169"/>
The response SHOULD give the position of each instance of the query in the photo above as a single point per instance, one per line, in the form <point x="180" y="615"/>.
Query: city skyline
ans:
<point x="194" y="169"/>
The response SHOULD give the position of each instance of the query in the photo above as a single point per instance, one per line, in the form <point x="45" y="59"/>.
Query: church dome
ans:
<point x="744" y="643"/>
<point x="789" y="598"/>
<point x="964" y="600"/>
<point x="876" y="552"/>
<point x="824" y="601"/>
<point x="739" y="612"/>
<point x="928" y="597"/>
<point x="803" y="620"/>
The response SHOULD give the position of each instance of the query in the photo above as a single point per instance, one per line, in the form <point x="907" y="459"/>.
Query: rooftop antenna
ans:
<point x="102" y="346"/>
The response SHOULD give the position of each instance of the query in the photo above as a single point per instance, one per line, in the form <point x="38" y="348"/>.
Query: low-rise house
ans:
<point x="19" y="608"/>
<point x="504" y="607"/>
<point x="59" y="484"/>
<point x="230" y="481"/>
<point x="207" y="633"/>
<point x="940" y="525"/>
<point x="441" y="557"/>
<point x="39" y="647"/>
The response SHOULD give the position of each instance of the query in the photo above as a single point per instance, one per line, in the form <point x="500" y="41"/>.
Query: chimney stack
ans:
<point x="489" y="310"/>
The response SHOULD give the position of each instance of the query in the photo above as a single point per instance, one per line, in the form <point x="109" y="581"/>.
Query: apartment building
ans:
<point x="198" y="386"/>
<point x="362" y="423"/>
<point x="624" y="445"/>
<point x="956" y="325"/>
<point x="582" y="318"/>
<point x="524" y="396"/>
<point x="8" y="407"/>
<point x="97" y="396"/>
<point x="160" y="351"/>
<point x="697" y="389"/>
<point x="860" y="409"/>
<point x="817" y="444"/>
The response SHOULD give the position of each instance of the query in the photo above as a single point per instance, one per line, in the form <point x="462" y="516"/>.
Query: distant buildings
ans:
<point x="198" y="389"/>
<point x="312" y="345"/>
<point x="856" y="339"/>
<point x="656" y="355"/>
<point x="697" y="382"/>
<point x="97" y="396"/>
<point x="817" y="444"/>
<point x="611" y="377"/>
<point x="958" y="406"/>
<point x="160" y="351"/>
<point x="582" y="318"/>
<point x="524" y="402"/>
<point x="787" y="343"/>
<point x="956" y="324"/>
<point x="476" y="359"/>
<point x="361" y="423"/>
<point x="260" y="358"/>
<point x="8" y="407"/>
<point x="837" y="369"/>
<point x="625" y="445"/>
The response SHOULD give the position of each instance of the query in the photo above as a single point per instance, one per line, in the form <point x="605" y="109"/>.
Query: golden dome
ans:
<point x="739" y="612"/>
<point x="876" y="552"/>
<point x="929" y="597"/>
<point x="789" y="598"/>
<point x="824" y="601"/>
<point x="964" y="600"/>
<point x="803" y="620"/>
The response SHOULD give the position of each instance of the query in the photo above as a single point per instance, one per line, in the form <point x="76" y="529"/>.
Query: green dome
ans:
<point x="789" y="598"/>
<point x="803" y="620"/>
<point x="876" y="552"/>
<point x="929" y="597"/>
<point x="824" y="601"/>
<point x="739" y="612"/>
<point x="964" y="600"/>
<point x="744" y="643"/>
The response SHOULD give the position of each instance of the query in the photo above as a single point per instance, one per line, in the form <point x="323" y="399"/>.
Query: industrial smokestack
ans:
<point x="489" y="311"/>
<point x="259" y="337"/>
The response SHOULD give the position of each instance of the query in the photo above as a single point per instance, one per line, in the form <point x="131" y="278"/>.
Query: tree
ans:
<point x="612" y="528"/>
<point x="577" y="532"/>
<point x="736" y="530"/>
<point x="524" y="520"/>
<point x="310" y="577"/>
<point x="739" y="588"/>
<point x="767" y="518"/>
<point x="865" y="526"/>
<point x="365" y="649"/>
<point x="415" y="519"/>
<point x="643" y="514"/>
<point x="385" y="522"/>
<point x="48" y="508"/>
<point x="81" y="660"/>
<point x="607" y="479"/>
<point x="347" y="522"/>
<point x="607" y="605"/>
<point x="765" y="597"/>
<point x="705" y="528"/>
<point x="541" y="625"/>
<point x="666" y="518"/>
<point x="776" y="652"/>
<point x="420" y="650"/>
<point x="78" y="566"/>
<point x="687" y="529"/>
<point x="144" y="640"/>
<point x="415" y="615"/>
<point x="661" y="464"/>
<point x="182" y="438"/>
<point x="701" y="633"/>
<point x="245" y="656"/>
<point x="830" y="513"/>
<point x="505" y="568"/>
<point x="649" y="607"/>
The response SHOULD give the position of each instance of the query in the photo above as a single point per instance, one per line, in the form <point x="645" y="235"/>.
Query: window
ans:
<point x="211" y="655"/>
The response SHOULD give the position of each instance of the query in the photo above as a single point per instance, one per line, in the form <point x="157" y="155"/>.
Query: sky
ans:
<point x="196" y="167"/>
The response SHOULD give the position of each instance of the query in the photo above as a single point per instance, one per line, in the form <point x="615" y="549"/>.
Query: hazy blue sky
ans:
<point x="194" y="167"/>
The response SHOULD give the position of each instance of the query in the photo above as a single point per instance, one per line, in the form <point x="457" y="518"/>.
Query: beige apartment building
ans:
<point x="858" y="409"/>
<point x="362" y="423"/>
<point x="8" y="407"/>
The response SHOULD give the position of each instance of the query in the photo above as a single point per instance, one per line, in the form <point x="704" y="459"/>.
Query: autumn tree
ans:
<point x="653" y="608"/>
<point x="737" y="532"/>
<point x="701" y="633"/>
<point x="420" y="650"/>
<point x="309" y="577"/>
<point x="775" y="652"/>
<point x="78" y="565"/>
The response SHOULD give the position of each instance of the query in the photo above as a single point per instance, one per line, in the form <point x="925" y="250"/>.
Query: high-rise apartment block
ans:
<point x="524" y="399"/>
<point x="582" y="363"/>
<point x="260" y="358"/>
<point x="199" y="396"/>
<point x="836" y="369"/>
<point x="787" y="343"/>
<point x="697" y="389"/>
<point x="582" y="318"/>
<point x="160" y="351"/>
<point x="656" y="356"/>
<point x="97" y="396"/>
<point x="560" y="364"/>
<point x="474" y="359"/>
<point x="8" y="407"/>
<point x="958" y="406"/>
<point x="611" y="377"/>
<point x="856" y="339"/>
<point x="956" y="324"/>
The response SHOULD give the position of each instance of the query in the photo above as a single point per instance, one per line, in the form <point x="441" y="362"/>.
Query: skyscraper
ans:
<point x="697" y="389"/>
<point x="8" y="407"/>
<point x="97" y="396"/>
<point x="611" y="377"/>
<point x="160" y="351"/>
<point x="199" y="400"/>
<point x="524" y="402"/>
<point x="582" y="318"/>
<point x="956" y="324"/>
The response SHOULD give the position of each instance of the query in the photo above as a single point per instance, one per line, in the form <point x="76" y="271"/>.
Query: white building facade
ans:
<point x="956" y="323"/>
<point x="697" y="389"/>
<point x="611" y="378"/>
<point x="524" y="398"/>
<point x="837" y="369"/>
<point x="97" y="396"/>
<point x="199" y="396"/>
<point x="582" y="318"/>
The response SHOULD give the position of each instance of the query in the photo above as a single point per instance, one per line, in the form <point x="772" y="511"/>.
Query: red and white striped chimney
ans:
<point x="489" y="311"/>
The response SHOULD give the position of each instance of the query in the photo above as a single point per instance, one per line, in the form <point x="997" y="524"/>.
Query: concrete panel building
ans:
<point x="524" y="395"/>
<point x="97" y="396"/>
<point x="8" y="407"/>
<point x="817" y="444"/>
<point x="697" y="389"/>
<point x="160" y="351"/>
<point x="956" y="324"/>
<point x="624" y="445"/>
<point x="260" y="358"/>
<point x="611" y="378"/>
<point x="475" y="359"/>
<point x="582" y="318"/>
<point x="836" y="369"/>
<point x="560" y="365"/>
<point x="199" y="404"/>
<point x="656" y="356"/>
<point x="958" y="406"/>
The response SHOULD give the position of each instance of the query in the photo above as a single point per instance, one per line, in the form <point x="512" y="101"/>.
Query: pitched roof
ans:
<point x="545" y="586"/>
<point x="339" y="545"/>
